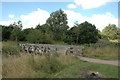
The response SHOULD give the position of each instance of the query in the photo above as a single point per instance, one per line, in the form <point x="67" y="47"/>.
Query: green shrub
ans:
<point x="36" y="36"/>
<point x="10" y="48"/>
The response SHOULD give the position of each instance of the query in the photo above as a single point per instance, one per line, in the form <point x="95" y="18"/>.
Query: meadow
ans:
<point x="17" y="64"/>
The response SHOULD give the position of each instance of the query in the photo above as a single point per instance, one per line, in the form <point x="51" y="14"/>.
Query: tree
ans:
<point x="24" y="33"/>
<point x="43" y="28"/>
<point x="0" y="32"/>
<point x="6" y="32"/>
<point x="111" y="31"/>
<point x="84" y="33"/>
<point x="57" y="23"/>
<point x="16" y="32"/>
<point x="102" y="36"/>
<point x="88" y="33"/>
<point x="36" y="36"/>
<point x="74" y="34"/>
<point x="118" y="33"/>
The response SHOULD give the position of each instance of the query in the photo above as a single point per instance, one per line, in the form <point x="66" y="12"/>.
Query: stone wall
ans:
<point x="51" y="49"/>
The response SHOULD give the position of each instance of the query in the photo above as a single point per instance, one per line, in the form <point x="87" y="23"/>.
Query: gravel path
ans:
<point x="111" y="62"/>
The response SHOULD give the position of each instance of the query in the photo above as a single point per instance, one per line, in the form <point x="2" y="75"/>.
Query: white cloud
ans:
<point x="72" y="17"/>
<point x="88" y="4"/>
<point x="119" y="22"/>
<point x="6" y="23"/>
<point x="11" y="16"/>
<point x="99" y="20"/>
<point x="34" y="18"/>
<point x="102" y="20"/>
<point x="72" y="6"/>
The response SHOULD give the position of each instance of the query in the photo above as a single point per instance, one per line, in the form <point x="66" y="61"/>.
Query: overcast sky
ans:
<point x="98" y="12"/>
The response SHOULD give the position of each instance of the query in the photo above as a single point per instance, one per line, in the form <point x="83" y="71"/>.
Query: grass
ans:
<point x="10" y="47"/>
<point x="56" y="66"/>
<point x="102" y="50"/>
<point x="32" y="66"/>
<point x="107" y="53"/>
<point x="60" y="43"/>
<point x="113" y="40"/>
<point x="80" y="68"/>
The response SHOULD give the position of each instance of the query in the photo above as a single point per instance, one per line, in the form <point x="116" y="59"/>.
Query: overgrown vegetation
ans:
<point x="62" y="66"/>
<point x="26" y="65"/>
<point x="102" y="50"/>
<point x="11" y="48"/>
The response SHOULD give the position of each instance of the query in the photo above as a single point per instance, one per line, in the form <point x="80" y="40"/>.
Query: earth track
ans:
<point x="111" y="62"/>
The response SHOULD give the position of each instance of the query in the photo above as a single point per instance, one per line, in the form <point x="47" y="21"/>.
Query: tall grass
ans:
<point x="103" y="50"/>
<point x="60" y="66"/>
<point x="32" y="66"/>
<point x="56" y="65"/>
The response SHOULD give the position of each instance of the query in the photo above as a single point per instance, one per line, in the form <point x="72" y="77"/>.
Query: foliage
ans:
<point x="83" y="33"/>
<point x="10" y="48"/>
<point x="6" y="32"/>
<point x="15" y="34"/>
<point x="104" y="37"/>
<point x="57" y="23"/>
<point x="111" y="31"/>
<point x="88" y="33"/>
<point x="43" y="28"/>
<point x="24" y="34"/>
<point x="36" y="36"/>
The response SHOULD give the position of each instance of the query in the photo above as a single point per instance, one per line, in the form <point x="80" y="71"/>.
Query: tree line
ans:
<point x="56" y="30"/>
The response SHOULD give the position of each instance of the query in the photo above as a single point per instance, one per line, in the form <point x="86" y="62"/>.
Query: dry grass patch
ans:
<point x="106" y="52"/>
<point x="32" y="66"/>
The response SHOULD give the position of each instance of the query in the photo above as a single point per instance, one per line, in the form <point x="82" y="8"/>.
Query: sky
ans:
<point x="98" y="12"/>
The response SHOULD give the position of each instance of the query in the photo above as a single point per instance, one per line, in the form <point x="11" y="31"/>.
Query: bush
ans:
<point x="10" y="48"/>
<point x="36" y="36"/>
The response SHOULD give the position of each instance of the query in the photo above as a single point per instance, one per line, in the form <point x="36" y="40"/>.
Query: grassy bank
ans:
<point x="56" y="66"/>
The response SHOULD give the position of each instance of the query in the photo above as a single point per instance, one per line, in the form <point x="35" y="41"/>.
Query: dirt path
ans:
<point x="115" y="62"/>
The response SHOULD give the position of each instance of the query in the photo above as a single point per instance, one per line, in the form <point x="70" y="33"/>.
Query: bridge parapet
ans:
<point x="50" y="49"/>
